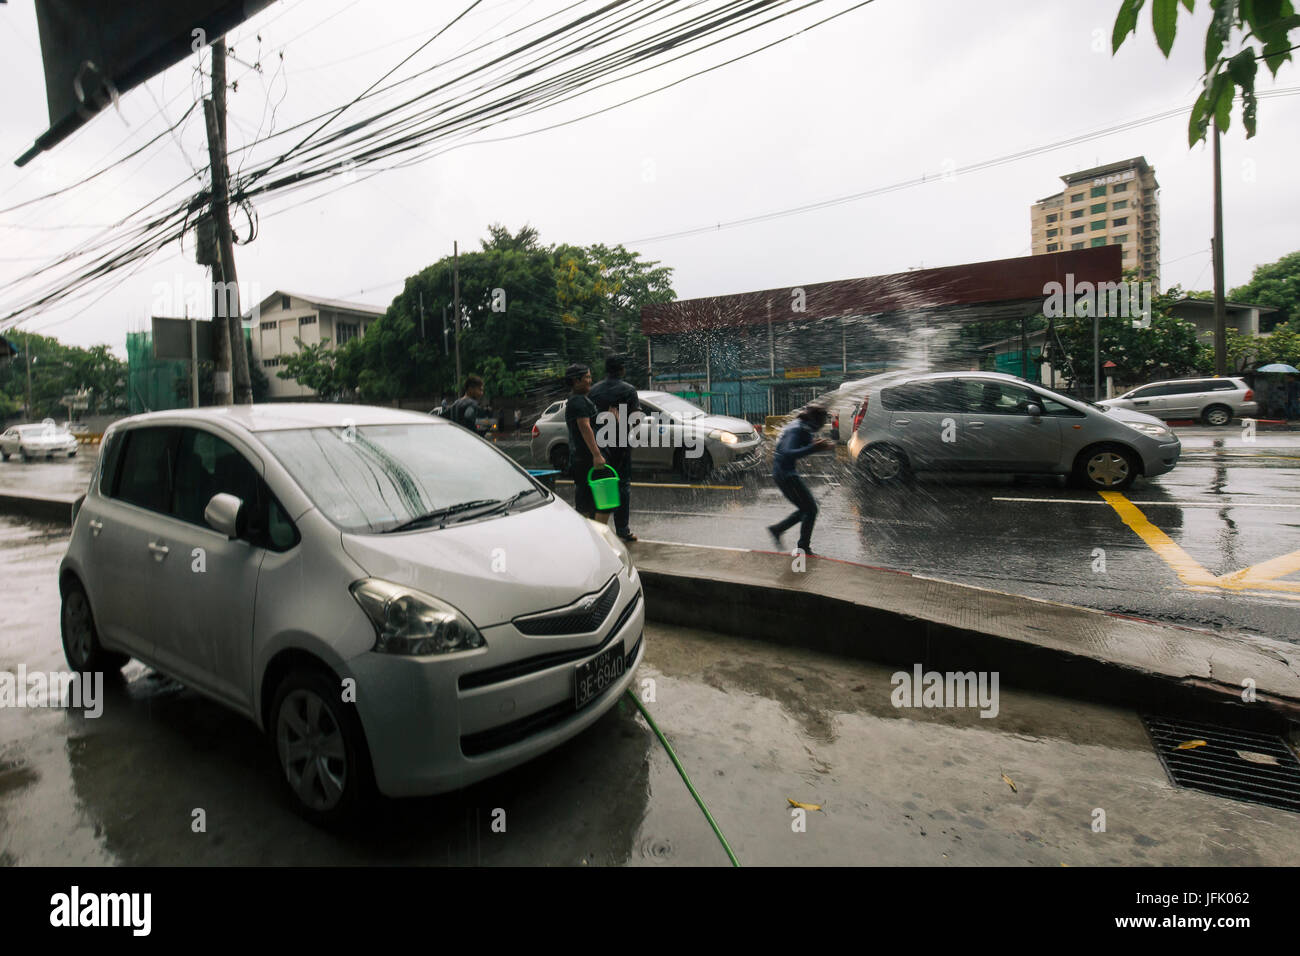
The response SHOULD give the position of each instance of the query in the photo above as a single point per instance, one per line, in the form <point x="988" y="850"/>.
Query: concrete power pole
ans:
<point x="230" y="354"/>
<point x="455" y="286"/>
<point x="1220" y="318"/>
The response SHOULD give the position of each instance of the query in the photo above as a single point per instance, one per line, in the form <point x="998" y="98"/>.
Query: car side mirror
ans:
<point x="225" y="513"/>
<point x="1034" y="410"/>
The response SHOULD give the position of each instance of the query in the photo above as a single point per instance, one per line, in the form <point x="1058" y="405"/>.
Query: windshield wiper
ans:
<point x="505" y="505"/>
<point x="443" y="513"/>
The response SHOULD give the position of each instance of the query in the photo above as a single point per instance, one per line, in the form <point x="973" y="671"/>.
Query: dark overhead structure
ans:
<point x="94" y="51"/>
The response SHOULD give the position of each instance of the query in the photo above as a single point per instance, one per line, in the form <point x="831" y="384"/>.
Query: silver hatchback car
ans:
<point x="395" y="602"/>
<point x="1213" y="401"/>
<point x="988" y="421"/>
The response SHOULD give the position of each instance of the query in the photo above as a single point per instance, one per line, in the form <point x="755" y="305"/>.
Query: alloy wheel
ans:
<point x="77" y="626"/>
<point x="313" y="755"/>
<point x="1107" y="469"/>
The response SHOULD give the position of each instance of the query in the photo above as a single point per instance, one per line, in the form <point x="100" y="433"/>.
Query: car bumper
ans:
<point x="1161" y="458"/>
<point x="1247" y="410"/>
<point x="439" y="725"/>
<point x="743" y="455"/>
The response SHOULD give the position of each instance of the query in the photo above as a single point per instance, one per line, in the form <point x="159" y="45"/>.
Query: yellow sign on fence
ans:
<point x="809" y="371"/>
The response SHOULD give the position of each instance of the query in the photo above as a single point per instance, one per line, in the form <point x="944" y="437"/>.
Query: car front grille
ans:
<point x="584" y="617"/>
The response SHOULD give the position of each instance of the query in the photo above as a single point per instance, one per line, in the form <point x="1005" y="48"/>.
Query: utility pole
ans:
<point x="1220" y="325"/>
<point x="230" y="354"/>
<point x="421" y="315"/>
<point x="455" y="286"/>
<point x="28" y="350"/>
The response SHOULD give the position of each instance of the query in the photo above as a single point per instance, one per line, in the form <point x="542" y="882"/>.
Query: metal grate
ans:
<point x="1238" y="764"/>
<point x="583" y="617"/>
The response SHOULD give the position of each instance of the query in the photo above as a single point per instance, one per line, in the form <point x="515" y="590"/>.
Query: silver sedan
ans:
<point x="37" y="441"/>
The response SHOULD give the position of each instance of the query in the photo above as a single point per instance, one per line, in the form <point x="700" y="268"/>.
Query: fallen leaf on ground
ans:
<point x="1254" y="757"/>
<point x="1191" y="745"/>
<point x="804" y="806"/>
<point x="1008" y="782"/>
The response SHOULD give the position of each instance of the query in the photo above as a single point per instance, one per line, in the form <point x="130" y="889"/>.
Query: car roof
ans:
<point x="941" y="376"/>
<point x="1196" y="378"/>
<point x="281" y="416"/>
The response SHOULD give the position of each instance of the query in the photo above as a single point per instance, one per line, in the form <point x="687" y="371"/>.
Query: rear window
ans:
<point x="938" y="396"/>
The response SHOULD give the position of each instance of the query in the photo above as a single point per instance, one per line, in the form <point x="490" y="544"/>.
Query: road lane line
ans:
<point x="1265" y="574"/>
<point x="1159" y="504"/>
<point x="1189" y="570"/>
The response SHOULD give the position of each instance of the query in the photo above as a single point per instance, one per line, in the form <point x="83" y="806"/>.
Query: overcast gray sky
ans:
<point x="897" y="89"/>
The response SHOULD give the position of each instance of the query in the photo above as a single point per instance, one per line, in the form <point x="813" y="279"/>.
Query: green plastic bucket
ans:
<point x="604" y="490"/>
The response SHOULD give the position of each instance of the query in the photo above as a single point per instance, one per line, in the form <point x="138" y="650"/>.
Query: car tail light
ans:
<point x="1250" y="395"/>
<point x="535" y="431"/>
<point x="857" y="419"/>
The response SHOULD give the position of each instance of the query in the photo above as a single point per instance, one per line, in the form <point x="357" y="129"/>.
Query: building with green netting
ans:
<point x="155" y="384"/>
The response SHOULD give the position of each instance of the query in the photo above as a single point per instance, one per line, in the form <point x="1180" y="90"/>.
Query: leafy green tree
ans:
<point x="313" y="366"/>
<point x="1241" y="33"/>
<point x="1166" y="349"/>
<point x="1276" y="284"/>
<point x="59" y="370"/>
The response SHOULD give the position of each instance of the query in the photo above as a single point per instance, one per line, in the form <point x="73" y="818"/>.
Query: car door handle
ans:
<point x="902" y="421"/>
<point x="95" y="527"/>
<point x="159" y="550"/>
<point x="975" y="424"/>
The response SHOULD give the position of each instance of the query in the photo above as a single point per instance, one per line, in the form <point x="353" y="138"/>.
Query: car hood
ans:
<point x="1118" y="413"/>
<point x="498" y="568"/>
<point x="722" y="423"/>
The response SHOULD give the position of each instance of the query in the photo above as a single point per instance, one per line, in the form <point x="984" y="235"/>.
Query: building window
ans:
<point x="1121" y="221"/>
<point x="1076" y="214"/>
<point x="1076" y="230"/>
<point x="1076" y="197"/>
<point x="1052" y="218"/>
<point x="1120" y="239"/>
<point x="1120" y="204"/>
<point x="1051" y="233"/>
<point x="1098" y="191"/>
<point x="284" y="302"/>
<point x="1096" y="208"/>
<point x="307" y="320"/>
<point x="1052" y="247"/>
<point x="1099" y="241"/>
<point x="347" y="331"/>
<point x="1121" y="187"/>
<point x="270" y="324"/>
<point x="1098" y="224"/>
<point x="1076" y="245"/>
<point x="270" y="363"/>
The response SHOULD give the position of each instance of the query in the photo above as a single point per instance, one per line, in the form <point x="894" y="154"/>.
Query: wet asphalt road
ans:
<point x="754" y="725"/>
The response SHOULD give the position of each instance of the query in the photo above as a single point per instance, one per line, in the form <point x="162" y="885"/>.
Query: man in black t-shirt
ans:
<point x="464" y="411"/>
<point x="614" y="397"/>
<point x="584" y="453"/>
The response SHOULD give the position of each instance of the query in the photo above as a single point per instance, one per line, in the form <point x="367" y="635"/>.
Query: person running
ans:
<point x="797" y="440"/>
<point x="584" y="453"/>
<point x="464" y="411"/>
<point x="614" y="397"/>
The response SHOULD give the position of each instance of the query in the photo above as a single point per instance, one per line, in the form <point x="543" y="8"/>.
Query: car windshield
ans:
<point x="677" y="407"/>
<point x="1070" y="399"/>
<point x="370" y="479"/>
<point x="33" y="430"/>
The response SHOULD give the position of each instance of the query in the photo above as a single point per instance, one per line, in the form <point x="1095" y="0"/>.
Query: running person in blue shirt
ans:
<point x="798" y="439"/>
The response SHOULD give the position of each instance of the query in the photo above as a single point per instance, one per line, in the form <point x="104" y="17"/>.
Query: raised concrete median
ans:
<point x="902" y="619"/>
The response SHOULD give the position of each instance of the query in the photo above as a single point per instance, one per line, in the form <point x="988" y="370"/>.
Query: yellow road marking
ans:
<point x="1258" y="577"/>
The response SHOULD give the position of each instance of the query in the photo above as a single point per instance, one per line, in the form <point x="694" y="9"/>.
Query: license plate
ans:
<point x="598" y="673"/>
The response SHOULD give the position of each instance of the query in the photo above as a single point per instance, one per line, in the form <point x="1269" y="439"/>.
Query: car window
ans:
<point x="205" y="466"/>
<point x="144" y="478"/>
<point x="988" y="397"/>
<point x="1223" y="385"/>
<point x="944" y="395"/>
<point x="1052" y="407"/>
<point x="553" y="409"/>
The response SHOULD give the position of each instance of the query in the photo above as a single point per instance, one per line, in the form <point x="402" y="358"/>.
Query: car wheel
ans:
<point x="81" y="644"/>
<point x="884" y="464"/>
<point x="4" y="455"/>
<point x="560" y="457"/>
<point x="320" y="747"/>
<point x="695" y="469"/>
<point x="26" y="457"/>
<point x="1217" y="415"/>
<point x="1106" y="468"/>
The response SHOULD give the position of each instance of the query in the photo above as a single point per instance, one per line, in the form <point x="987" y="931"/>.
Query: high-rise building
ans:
<point x="1116" y="204"/>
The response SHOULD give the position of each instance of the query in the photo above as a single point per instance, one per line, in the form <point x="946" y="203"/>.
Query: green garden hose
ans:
<point x="682" y="770"/>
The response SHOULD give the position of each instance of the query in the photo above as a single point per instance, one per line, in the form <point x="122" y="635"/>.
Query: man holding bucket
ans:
<point x="614" y="397"/>
<point x="584" y="453"/>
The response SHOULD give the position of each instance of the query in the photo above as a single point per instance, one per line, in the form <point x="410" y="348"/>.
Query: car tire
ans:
<point x="5" y="455"/>
<point x="1105" y="468"/>
<point x="1217" y="415"/>
<point x="559" y="457"/>
<point x="884" y="465"/>
<point x="81" y="645"/>
<point x="695" y="469"/>
<point x="320" y="748"/>
<point x="26" y="457"/>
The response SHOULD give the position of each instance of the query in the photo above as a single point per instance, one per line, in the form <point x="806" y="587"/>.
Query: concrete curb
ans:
<point x="900" y="619"/>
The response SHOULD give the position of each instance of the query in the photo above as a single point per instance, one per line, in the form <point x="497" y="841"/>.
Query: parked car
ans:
<point x="396" y="604"/>
<point x="666" y="439"/>
<point x="1214" y="401"/>
<point x="37" y="441"/>
<point x="991" y="422"/>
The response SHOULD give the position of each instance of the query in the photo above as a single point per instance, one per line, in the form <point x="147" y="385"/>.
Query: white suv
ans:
<point x="1214" y="401"/>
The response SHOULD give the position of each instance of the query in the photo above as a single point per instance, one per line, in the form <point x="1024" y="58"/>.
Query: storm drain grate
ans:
<point x="1233" y="763"/>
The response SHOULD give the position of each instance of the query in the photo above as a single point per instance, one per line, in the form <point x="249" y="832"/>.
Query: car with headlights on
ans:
<point x="397" y="604"/>
<point x="992" y="422"/>
<point x="667" y="434"/>
<point x="45" y="440"/>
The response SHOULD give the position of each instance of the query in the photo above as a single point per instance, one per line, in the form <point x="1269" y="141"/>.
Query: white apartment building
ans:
<point x="286" y="316"/>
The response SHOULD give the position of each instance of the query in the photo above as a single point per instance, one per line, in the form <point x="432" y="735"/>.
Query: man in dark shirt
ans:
<point x="798" y="439"/>
<point x="464" y="411"/>
<point x="584" y="453"/>
<point x="615" y="400"/>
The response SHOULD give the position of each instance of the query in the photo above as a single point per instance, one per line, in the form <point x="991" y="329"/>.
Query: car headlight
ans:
<point x="1159" y="431"/>
<point x="727" y="438"/>
<point x="613" y="541"/>
<point x="411" y="623"/>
